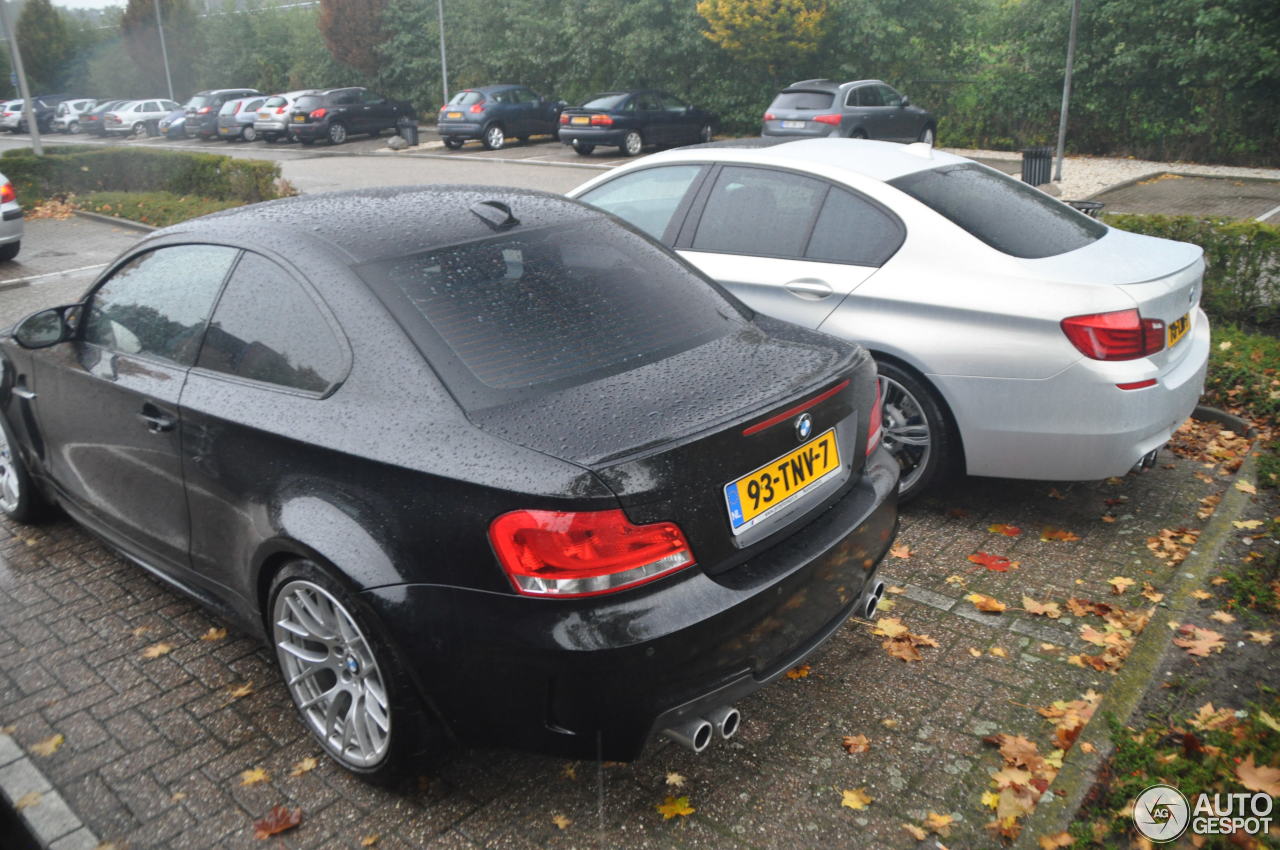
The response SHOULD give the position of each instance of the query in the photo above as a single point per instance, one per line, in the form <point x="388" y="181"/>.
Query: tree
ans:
<point x="46" y="45"/>
<point x="765" y="32"/>
<point x="142" y="39"/>
<point x="353" y="31"/>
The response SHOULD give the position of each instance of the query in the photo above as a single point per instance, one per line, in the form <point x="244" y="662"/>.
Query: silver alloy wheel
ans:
<point x="249" y="133"/>
<point x="139" y="128"/>
<point x="927" y="136"/>
<point x="337" y="133"/>
<point x="905" y="431"/>
<point x="494" y="138"/>
<point x="331" y="672"/>
<point x="632" y="143"/>
<point x="73" y="127"/>
<point x="10" y="484"/>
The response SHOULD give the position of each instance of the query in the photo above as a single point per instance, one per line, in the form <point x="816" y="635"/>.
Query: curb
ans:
<point x="1080" y="769"/>
<point x="47" y="816"/>
<point x="119" y="222"/>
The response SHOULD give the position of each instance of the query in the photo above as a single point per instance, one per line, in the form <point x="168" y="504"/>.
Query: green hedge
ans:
<point x="159" y="209"/>
<point x="81" y="169"/>
<point x="1242" y="280"/>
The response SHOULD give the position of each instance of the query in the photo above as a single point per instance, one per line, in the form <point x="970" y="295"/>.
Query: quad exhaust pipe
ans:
<point x="698" y="733"/>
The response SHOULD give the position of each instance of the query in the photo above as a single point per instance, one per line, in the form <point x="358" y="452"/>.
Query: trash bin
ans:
<point x="1037" y="164"/>
<point x="1090" y="208"/>
<point x="407" y="129"/>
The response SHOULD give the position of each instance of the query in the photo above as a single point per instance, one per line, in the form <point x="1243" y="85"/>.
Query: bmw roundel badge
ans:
<point x="804" y="426"/>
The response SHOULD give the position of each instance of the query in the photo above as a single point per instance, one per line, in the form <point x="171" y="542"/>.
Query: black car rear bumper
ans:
<point x="592" y="135"/>
<point x="568" y="676"/>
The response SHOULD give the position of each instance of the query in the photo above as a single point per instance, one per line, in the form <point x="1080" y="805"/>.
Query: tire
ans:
<point x="8" y="252"/>
<point x="916" y="429"/>
<point x="493" y="138"/>
<point x="452" y="143"/>
<point x="858" y="134"/>
<point x="583" y="150"/>
<point x="248" y="133"/>
<point x="19" y="499"/>
<point x="706" y="134"/>
<point x="632" y="143"/>
<point x="927" y="136"/>
<point x="73" y="128"/>
<point x="337" y="133"/>
<point x="382" y="726"/>
<point x="138" y="129"/>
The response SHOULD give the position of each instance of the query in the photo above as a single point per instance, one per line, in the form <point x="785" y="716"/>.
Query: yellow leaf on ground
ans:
<point x="27" y="800"/>
<point x="893" y="588"/>
<point x="674" y="780"/>
<point x="986" y="604"/>
<point x="240" y="691"/>
<point x="307" y="765"/>
<point x="1043" y="609"/>
<point x="1086" y="747"/>
<point x="1119" y="584"/>
<point x="990" y="799"/>
<point x="1268" y="721"/>
<point x="1247" y="524"/>
<point x="214" y="634"/>
<point x="157" y="649"/>
<point x="915" y="832"/>
<point x="1257" y="777"/>
<point x="369" y="840"/>
<point x="1049" y="647"/>
<point x="675" y="806"/>
<point x="1217" y="580"/>
<point x="1246" y="487"/>
<point x="1260" y="637"/>
<point x="1149" y="592"/>
<point x="939" y="824"/>
<point x="1050" y="533"/>
<point x="998" y="652"/>
<point x="855" y="799"/>
<point x="900" y="550"/>
<point x="253" y="776"/>
<point x="890" y="627"/>
<point x="856" y="744"/>
<point x="49" y="745"/>
<point x="561" y="821"/>
<point x="1054" y="842"/>
<point x="1225" y="345"/>
<point x="957" y="579"/>
<point x="1201" y="594"/>
<point x="799" y="672"/>
<point x="975" y="652"/>
<point x="569" y="771"/>
<point x="1222" y="617"/>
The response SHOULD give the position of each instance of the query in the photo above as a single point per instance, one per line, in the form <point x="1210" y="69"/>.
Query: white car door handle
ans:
<point x="808" y="288"/>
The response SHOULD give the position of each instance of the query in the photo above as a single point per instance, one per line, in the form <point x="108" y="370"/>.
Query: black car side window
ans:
<point x="159" y="301"/>
<point x="266" y="328"/>
<point x="889" y="96"/>
<point x="851" y="229"/>
<point x="759" y="211"/>
<point x="869" y="96"/>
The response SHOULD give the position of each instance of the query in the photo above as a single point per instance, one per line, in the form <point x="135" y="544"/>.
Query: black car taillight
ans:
<point x="317" y="114"/>
<point x="1118" y="335"/>
<point x="584" y="553"/>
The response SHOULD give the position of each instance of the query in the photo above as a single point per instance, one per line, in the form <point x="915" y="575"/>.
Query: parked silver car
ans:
<point x="272" y="119"/>
<point x="137" y="117"/>
<point x="236" y="117"/>
<point x="1016" y="337"/>
<point x="858" y="109"/>
<point x="10" y="221"/>
<point x="66" y="118"/>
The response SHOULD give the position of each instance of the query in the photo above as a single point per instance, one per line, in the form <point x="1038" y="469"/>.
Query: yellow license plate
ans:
<point x="298" y="119"/>
<point x="1178" y="329"/>
<point x="453" y="115"/>
<point x="754" y="497"/>
<point x="580" y="119"/>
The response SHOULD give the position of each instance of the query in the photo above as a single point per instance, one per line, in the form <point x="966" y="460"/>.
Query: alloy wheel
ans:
<point x="632" y="143"/>
<point x="494" y="138"/>
<point x="337" y="134"/>
<point x="248" y="133"/>
<point x="906" y="431"/>
<point x="10" y="483"/>
<point x="332" y="674"/>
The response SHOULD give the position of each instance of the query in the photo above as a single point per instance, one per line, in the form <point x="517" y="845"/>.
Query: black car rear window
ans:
<point x="803" y="100"/>
<point x="198" y="101"/>
<point x="308" y="101"/>
<point x="1007" y="214"/>
<point x="529" y="312"/>
<point x="605" y="102"/>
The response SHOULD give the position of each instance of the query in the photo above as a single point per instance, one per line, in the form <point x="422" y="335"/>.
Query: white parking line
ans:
<point x="1266" y="215"/>
<point x="4" y="284"/>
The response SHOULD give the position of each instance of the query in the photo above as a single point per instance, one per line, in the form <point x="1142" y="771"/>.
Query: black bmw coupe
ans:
<point x="482" y="464"/>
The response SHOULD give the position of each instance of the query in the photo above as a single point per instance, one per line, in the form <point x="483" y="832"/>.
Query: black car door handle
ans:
<point x="158" y="421"/>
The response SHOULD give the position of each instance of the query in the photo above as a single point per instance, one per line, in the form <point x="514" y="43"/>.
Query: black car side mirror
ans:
<point x="44" y="329"/>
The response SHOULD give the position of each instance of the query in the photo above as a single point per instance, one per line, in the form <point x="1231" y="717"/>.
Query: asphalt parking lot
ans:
<point x="188" y="746"/>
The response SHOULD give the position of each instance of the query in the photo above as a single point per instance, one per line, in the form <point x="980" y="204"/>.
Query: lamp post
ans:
<point x="1066" y="88"/>
<point x="16" y="55"/>
<point x="444" y="64"/>
<point x="164" y="52"/>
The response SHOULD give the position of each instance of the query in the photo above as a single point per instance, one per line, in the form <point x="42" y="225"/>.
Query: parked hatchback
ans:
<point x="66" y="117"/>
<point x="861" y="109"/>
<point x="338" y="113"/>
<point x="632" y="120"/>
<point x="1016" y="337"/>
<point x="203" y="107"/>
<point x="494" y="114"/>
<point x="272" y="119"/>
<point x="10" y="221"/>
<point x="91" y="121"/>
<point x="236" y="119"/>
<point x="410" y="434"/>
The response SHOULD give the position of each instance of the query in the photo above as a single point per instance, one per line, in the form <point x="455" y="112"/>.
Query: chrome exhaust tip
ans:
<point x="872" y="601"/>
<point x="693" y="735"/>
<point x="726" y="721"/>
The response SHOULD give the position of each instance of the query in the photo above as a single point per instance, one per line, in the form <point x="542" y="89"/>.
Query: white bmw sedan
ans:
<point x="1016" y="337"/>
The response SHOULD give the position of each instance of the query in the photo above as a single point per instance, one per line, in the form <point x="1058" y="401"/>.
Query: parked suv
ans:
<point x="494" y="114"/>
<point x="335" y="114"/>
<point x="66" y="118"/>
<point x="202" y="110"/>
<point x="861" y="109"/>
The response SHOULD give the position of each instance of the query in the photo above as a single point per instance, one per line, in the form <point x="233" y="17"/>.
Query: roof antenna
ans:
<point x="496" y="214"/>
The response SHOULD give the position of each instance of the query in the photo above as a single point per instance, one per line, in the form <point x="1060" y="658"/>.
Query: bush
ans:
<point x="1242" y="278"/>
<point x="82" y="169"/>
<point x="159" y="209"/>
